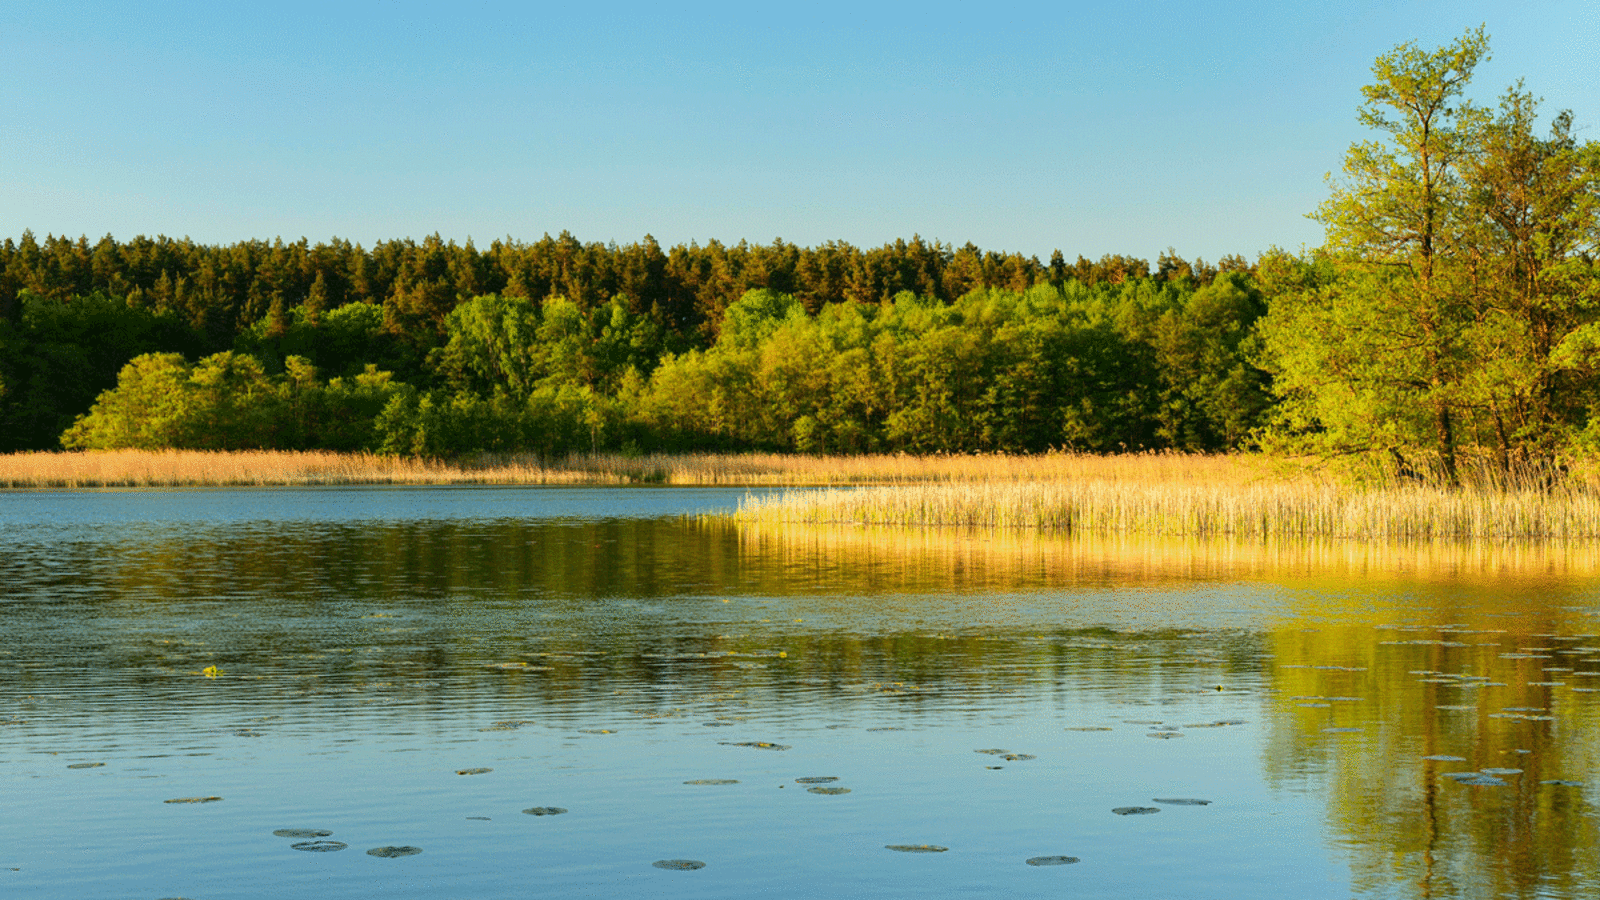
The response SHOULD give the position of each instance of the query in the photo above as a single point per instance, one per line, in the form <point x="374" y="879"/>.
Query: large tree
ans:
<point x="1454" y="271"/>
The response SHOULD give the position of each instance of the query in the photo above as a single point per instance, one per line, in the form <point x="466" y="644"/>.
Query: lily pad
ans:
<point x="84" y="765"/>
<point x="916" y="848"/>
<point x="193" y="800"/>
<point x="1341" y="731"/>
<point x="1501" y="771"/>
<point x="831" y="791"/>
<point x="392" y="852"/>
<point x="679" y="865"/>
<point x="302" y="833"/>
<point x="713" y="781"/>
<point x="320" y="846"/>
<point x="545" y="811"/>
<point x="1164" y="735"/>
<point x="1135" y="810"/>
<point x="816" y="779"/>
<point x="759" y="745"/>
<point x="1475" y="779"/>
<point x="1181" y="801"/>
<point x="1052" y="860"/>
<point x="475" y="771"/>
<point x="1015" y="757"/>
<point x="1088" y="728"/>
<point x="995" y="751"/>
<point x="1444" y="757"/>
<point x="1562" y="782"/>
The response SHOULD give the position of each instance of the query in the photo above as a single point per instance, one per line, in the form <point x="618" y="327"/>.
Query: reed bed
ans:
<point x="191" y="468"/>
<point x="1288" y="508"/>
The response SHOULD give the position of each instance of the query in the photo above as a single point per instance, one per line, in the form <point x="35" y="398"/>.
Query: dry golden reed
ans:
<point x="1285" y="508"/>
<point x="189" y="468"/>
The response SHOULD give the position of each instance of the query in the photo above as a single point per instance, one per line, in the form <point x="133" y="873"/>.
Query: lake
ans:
<point x="513" y="692"/>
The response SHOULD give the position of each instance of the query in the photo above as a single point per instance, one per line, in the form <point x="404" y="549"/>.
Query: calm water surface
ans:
<point x="1364" y="721"/>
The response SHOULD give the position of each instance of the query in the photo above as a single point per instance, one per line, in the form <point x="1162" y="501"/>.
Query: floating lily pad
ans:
<point x="816" y="779"/>
<point x="1052" y="860"/>
<point x="994" y="767"/>
<point x="831" y="791"/>
<point x="477" y="818"/>
<point x="595" y="731"/>
<point x="1444" y="757"/>
<point x="993" y="752"/>
<point x="887" y="728"/>
<point x="193" y="800"/>
<point x="1015" y="757"/>
<point x="1135" y="810"/>
<point x="759" y="745"/>
<point x="1181" y="801"/>
<point x="916" y="848"/>
<point x="84" y="765"/>
<point x="476" y="771"/>
<point x="1341" y="731"/>
<point x="1501" y="771"/>
<point x="320" y="846"/>
<point x="1474" y="779"/>
<point x="713" y="781"/>
<point x="1164" y="735"/>
<point x="302" y="833"/>
<point x="545" y="811"/>
<point x="679" y="865"/>
<point x="1090" y="728"/>
<point x="717" y="724"/>
<point x="392" y="852"/>
<point x="1562" y="782"/>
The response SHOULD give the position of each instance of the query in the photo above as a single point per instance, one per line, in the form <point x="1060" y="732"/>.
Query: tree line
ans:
<point x="1453" y="313"/>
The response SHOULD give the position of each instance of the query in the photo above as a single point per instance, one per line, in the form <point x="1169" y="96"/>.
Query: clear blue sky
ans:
<point x="1206" y="126"/>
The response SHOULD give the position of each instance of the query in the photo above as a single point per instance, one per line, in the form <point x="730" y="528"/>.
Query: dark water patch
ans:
<point x="1095" y="728"/>
<point x="193" y="800"/>
<point x="545" y="811"/>
<point x="1562" y="782"/>
<point x="1180" y="801"/>
<point x="713" y="781"/>
<point x="679" y="865"/>
<point x="916" y="848"/>
<point x="596" y="731"/>
<point x="1135" y="810"/>
<point x="830" y="791"/>
<point x="478" y="818"/>
<point x="480" y="770"/>
<point x="1341" y="731"/>
<point x="320" y="846"/>
<point x="394" y="852"/>
<point x="84" y="765"/>
<point x="717" y="724"/>
<point x="302" y="833"/>
<point x="1051" y="860"/>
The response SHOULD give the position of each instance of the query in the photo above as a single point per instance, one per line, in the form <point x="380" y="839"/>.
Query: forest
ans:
<point x="1452" y="315"/>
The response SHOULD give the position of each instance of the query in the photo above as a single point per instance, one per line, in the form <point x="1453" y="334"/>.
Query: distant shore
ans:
<point x="194" y="468"/>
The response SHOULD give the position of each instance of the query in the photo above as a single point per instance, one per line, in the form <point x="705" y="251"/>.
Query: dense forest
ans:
<point x="1454" y="312"/>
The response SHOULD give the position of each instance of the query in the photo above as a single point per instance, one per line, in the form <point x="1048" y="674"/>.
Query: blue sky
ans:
<point x="1204" y="126"/>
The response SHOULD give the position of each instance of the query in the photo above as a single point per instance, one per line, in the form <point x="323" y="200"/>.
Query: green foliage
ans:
<point x="1453" y="305"/>
<point x="227" y="401"/>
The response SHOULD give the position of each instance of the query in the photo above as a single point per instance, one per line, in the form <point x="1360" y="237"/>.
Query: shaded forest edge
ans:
<point x="1450" y="327"/>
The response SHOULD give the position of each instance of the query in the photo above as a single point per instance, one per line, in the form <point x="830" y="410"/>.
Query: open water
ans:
<point x="451" y="692"/>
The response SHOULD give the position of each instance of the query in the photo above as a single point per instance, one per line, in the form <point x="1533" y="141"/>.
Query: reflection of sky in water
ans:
<point x="364" y="636"/>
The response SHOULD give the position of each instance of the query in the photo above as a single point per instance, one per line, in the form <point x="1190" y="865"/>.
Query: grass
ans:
<point x="190" y="468"/>
<point x="1287" y="507"/>
<point x="1234" y="496"/>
